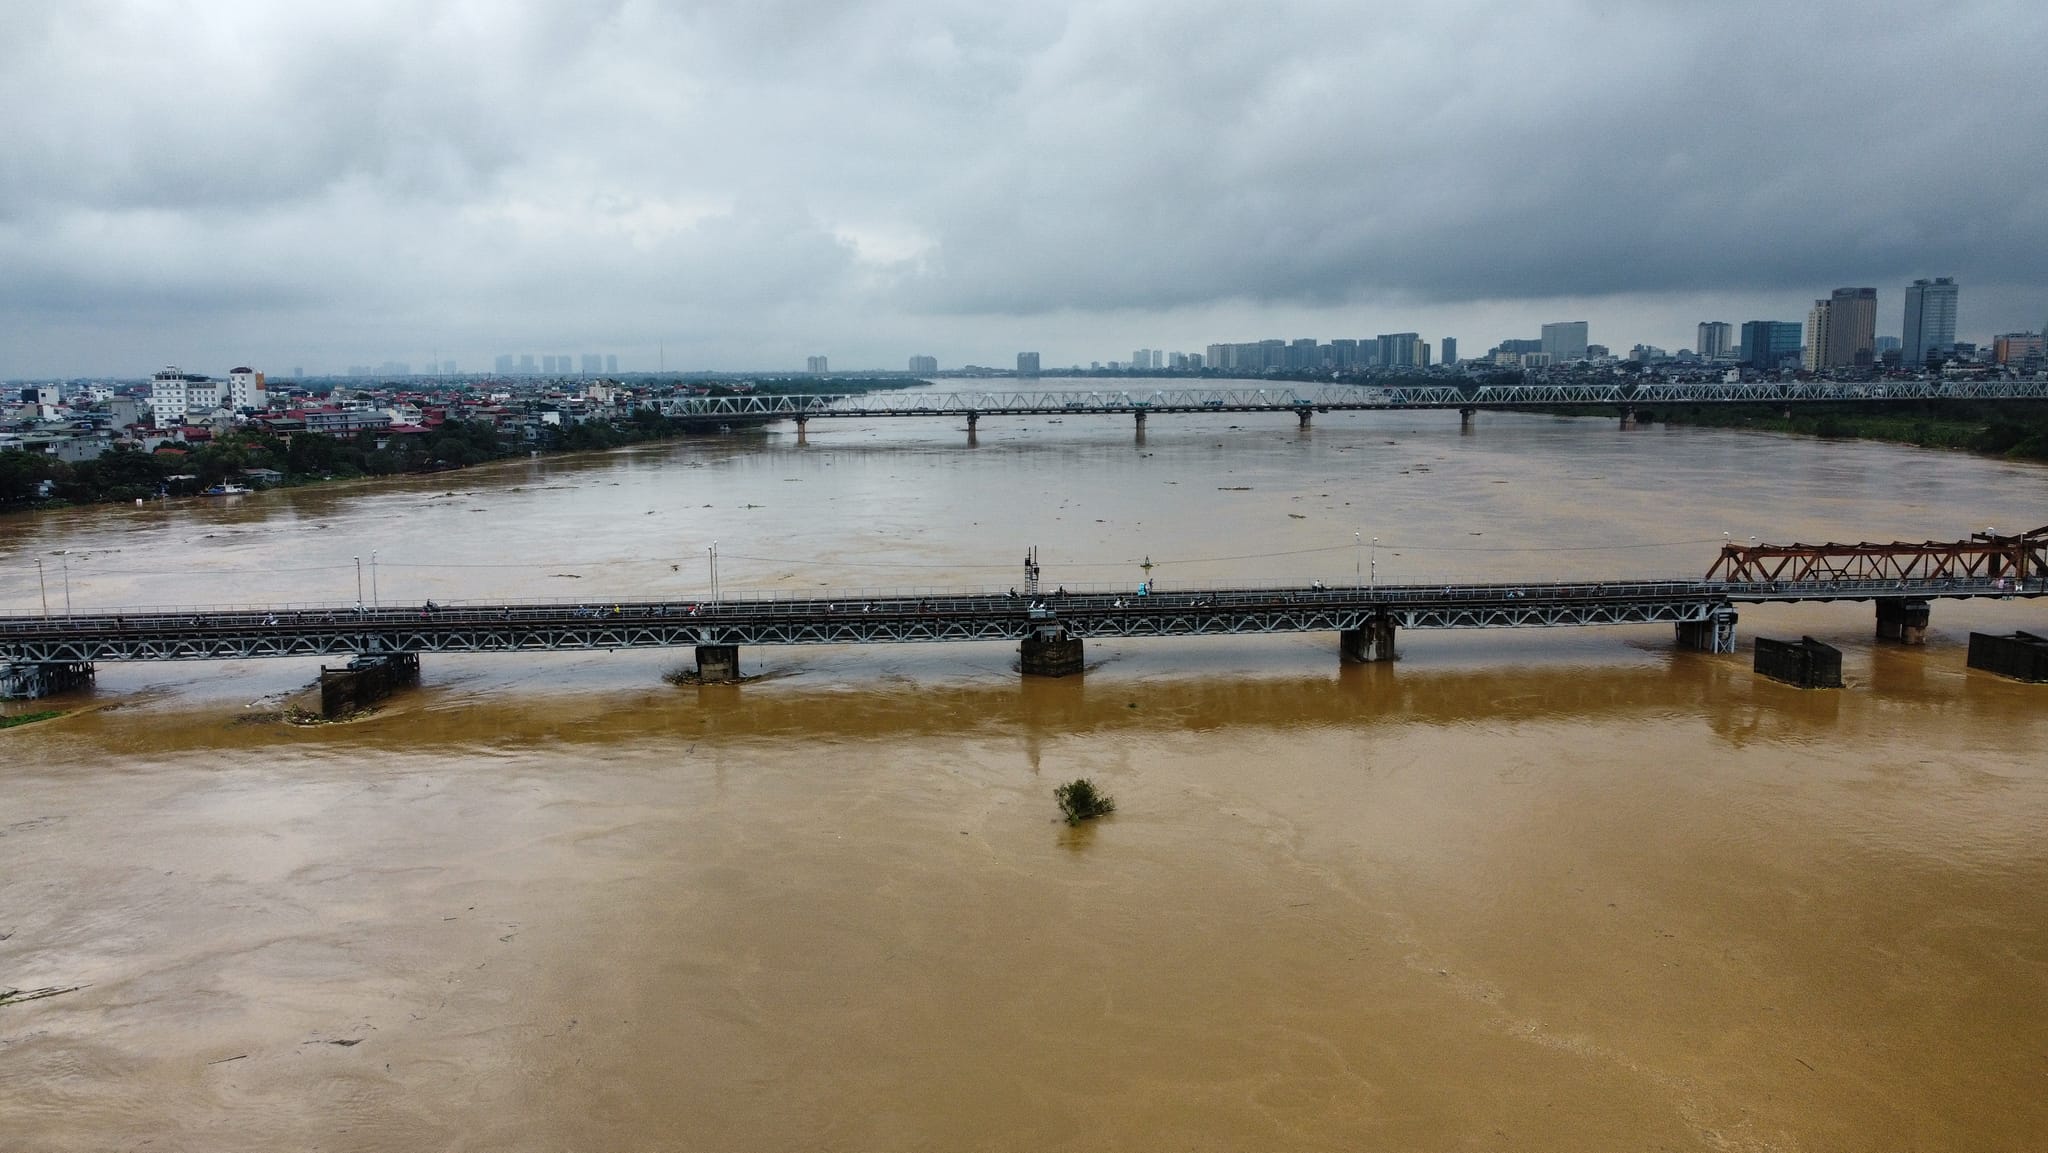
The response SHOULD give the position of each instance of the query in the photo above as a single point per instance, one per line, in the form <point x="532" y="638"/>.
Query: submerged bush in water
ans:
<point x="1080" y="801"/>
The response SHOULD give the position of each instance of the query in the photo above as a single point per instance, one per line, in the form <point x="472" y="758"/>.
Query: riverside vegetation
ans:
<point x="127" y="473"/>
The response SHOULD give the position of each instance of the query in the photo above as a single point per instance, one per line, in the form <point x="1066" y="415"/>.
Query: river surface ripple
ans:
<point x="1566" y="889"/>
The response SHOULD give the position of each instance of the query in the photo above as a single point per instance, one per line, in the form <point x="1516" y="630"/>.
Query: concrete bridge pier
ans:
<point x="718" y="664"/>
<point x="1138" y="418"/>
<point x="803" y="429"/>
<point x="1628" y="417"/>
<point x="1050" y="653"/>
<point x="1902" y="619"/>
<point x="1371" y="643"/>
<point x="364" y="681"/>
<point x="33" y="681"/>
<point x="1306" y="415"/>
<point x="973" y="422"/>
<point x="1465" y="416"/>
<point x="1715" y="634"/>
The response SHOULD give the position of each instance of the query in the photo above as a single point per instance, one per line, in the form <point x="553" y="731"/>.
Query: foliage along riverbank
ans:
<point x="126" y="473"/>
<point x="2017" y="429"/>
<point x="2009" y="428"/>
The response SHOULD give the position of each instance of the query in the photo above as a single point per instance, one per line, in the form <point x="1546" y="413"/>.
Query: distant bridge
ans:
<point x="46" y="653"/>
<point x="1120" y="398"/>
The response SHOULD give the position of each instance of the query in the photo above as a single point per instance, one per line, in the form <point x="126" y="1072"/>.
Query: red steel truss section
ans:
<point x="1986" y="556"/>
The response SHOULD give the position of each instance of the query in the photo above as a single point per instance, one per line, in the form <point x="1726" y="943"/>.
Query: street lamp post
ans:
<point x="41" y="587"/>
<point x="1373" y="567"/>
<point x="713" y="551"/>
<point x="374" y="601"/>
<point x="65" y="556"/>
<point x="1357" y="559"/>
<point x="359" y="583"/>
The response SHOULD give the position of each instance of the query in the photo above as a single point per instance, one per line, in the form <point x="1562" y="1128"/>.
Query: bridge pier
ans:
<point x="33" y="681"/>
<point x="1138" y="418"/>
<point x="973" y="422"/>
<point x="803" y="428"/>
<point x="1465" y="416"/>
<point x="1050" y="654"/>
<point x="1902" y="619"/>
<point x="365" y="680"/>
<point x="1305" y="414"/>
<point x="1805" y="663"/>
<point x="1371" y="643"/>
<point x="1628" y="416"/>
<point x="2021" y="656"/>
<point x="718" y="664"/>
<point x="1716" y="634"/>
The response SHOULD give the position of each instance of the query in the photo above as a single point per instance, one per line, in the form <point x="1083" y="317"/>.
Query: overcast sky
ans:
<point x="739" y="185"/>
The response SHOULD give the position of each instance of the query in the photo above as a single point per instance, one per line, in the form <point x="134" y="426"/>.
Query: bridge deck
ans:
<point x="155" y="635"/>
<point x="1281" y="397"/>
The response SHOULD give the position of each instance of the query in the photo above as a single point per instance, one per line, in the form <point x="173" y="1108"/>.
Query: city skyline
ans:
<point x="1560" y="340"/>
<point x="329" y="186"/>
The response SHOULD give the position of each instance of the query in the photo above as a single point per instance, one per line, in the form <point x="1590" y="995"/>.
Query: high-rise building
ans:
<point x="245" y="389"/>
<point x="174" y="394"/>
<point x="816" y="365"/>
<point x="593" y="364"/>
<point x="1930" y="318"/>
<point x="1027" y="364"/>
<point x="504" y="364"/>
<point x="1716" y="336"/>
<point x="1450" y="356"/>
<point x="1817" y="332"/>
<point x="1565" y="340"/>
<point x="526" y="363"/>
<point x="1344" y="353"/>
<point x="547" y="365"/>
<point x="1766" y="343"/>
<point x="1852" y="328"/>
<point x="923" y="365"/>
<point x="2015" y="347"/>
<point x="1398" y="349"/>
<point x="1302" y="353"/>
<point x="611" y="364"/>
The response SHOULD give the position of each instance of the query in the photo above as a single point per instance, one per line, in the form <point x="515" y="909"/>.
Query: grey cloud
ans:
<point x="742" y="178"/>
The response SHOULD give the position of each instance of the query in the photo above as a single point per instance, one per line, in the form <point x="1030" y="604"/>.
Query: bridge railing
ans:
<point x="1090" y="596"/>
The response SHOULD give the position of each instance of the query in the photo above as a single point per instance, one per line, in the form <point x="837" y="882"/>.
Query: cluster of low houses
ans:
<point x="179" y="411"/>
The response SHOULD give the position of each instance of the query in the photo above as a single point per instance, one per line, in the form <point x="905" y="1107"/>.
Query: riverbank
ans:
<point x="128" y="474"/>
<point x="2014" y="429"/>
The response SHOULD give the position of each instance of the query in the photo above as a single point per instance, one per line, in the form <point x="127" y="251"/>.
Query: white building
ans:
<point x="173" y="393"/>
<point x="245" y="390"/>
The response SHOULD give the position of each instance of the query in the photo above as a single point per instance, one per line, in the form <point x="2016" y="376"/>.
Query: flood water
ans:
<point x="1543" y="889"/>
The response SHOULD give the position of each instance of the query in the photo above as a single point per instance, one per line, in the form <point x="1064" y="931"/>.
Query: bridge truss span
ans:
<point x="1121" y="398"/>
<point x="1987" y="559"/>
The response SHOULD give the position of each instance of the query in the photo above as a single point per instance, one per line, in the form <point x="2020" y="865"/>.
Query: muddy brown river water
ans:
<point x="1543" y="890"/>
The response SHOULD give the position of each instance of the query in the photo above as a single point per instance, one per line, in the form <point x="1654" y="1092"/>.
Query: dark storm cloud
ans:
<point x="750" y="179"/>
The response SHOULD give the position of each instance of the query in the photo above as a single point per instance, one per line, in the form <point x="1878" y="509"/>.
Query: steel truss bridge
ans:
<point x="1303" y="399"/>
<point x="1901" y="577"/>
